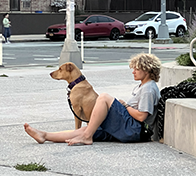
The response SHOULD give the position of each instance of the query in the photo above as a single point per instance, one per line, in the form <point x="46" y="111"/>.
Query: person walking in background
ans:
<point x="6" y="28"/>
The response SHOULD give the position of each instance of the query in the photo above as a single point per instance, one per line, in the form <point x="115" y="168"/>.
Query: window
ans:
<point x="170" y="16"/>
<point x="14" y="5"/>
<point x="92" y="19"/>
<point x="146" y="17"/>
<point x="111" y="20"/>
<point x="103" y="19"/>
<point x="26" y="3"/>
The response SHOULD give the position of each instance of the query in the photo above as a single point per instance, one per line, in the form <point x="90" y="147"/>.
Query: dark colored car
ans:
<point x="93" y="26"/>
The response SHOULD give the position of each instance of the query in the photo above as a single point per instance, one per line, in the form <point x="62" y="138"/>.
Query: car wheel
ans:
<point x="180" y="31"/>
<point x="78" y="35"/>
<point x="114" y="35"/>
<point x="147" y="33"/>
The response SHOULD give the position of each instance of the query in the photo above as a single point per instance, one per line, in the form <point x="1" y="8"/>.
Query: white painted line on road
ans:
<point x="43" y="55"/>
<point x="11" y="58"/>
<point x="6" y="54"/>
<point x="32" y="64"/>
<point x="91" y="57"/>
<point x="46" y="59"/>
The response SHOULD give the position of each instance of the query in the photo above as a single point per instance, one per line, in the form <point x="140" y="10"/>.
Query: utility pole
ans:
<point x="70" y="51"/>
<point x="163" y="34"/>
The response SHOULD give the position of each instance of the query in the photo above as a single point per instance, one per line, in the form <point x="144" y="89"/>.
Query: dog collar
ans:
<point x="72" y="84"/>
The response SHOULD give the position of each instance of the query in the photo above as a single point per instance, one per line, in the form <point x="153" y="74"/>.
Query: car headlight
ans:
<point x="141" y="25"/>
<point x="130" y="26"/>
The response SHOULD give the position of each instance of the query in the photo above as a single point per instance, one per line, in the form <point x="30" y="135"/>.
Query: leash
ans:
<point x="70" y="86"/>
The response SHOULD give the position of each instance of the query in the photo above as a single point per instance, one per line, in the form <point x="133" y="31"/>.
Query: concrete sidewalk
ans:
<point x="102" y="43"/>
<point x="30" y="95"/>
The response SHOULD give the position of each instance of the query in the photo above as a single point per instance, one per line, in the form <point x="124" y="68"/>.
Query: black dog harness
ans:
<point x="70" y="86"/>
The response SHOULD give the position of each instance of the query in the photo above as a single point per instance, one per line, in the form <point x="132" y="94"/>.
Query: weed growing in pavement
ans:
<point x="49" y="66"/>
<point x="3" y="75"/>
<point x="31" y="167"/>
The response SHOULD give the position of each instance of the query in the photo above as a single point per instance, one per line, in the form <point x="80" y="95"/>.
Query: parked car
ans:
<point x="150" y="21"/>
<point x="93" y="26"/>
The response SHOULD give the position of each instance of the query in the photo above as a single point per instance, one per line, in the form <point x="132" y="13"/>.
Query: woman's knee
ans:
<point x="104" y="97"/>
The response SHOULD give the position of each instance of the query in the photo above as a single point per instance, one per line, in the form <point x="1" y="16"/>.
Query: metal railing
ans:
<point x="191" y="51"/>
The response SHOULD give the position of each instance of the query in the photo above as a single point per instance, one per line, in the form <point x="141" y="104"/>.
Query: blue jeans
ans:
<point x="6" y="33"/>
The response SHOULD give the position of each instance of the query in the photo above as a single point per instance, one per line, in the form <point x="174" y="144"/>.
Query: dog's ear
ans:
<point x="69" y="67"/>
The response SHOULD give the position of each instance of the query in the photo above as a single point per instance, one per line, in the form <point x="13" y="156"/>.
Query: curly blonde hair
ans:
<point x="147" y="62"/>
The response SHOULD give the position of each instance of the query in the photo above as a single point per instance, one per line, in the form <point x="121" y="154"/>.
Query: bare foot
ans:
<point x="39" y="136"/>
<point x="81" y="139"/>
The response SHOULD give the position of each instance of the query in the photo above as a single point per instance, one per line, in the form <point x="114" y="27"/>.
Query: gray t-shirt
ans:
<point x="145" y="99"/>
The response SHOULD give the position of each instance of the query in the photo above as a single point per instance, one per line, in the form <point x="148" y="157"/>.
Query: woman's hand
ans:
<point x="122" y="102"/>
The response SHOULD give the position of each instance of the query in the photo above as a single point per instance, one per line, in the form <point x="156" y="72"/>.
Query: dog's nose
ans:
<point x="51" y="73"/>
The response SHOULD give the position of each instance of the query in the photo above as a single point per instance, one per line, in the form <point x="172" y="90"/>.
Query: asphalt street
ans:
<point x="48" y="53"/>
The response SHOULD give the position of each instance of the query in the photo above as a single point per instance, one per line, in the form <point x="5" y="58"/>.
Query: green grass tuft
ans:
<point x="31" y="167"/>
<point x="49" y="66"/>
<point x="192" y="79"/>
<point x="3" y="75"/>
<point x="185" y="60"/>
<point x="180" y="40"/>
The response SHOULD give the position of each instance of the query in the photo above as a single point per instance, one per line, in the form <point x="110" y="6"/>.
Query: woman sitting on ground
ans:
<point x="112" y="119"/>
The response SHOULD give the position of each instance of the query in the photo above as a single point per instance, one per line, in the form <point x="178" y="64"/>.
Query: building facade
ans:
<point x="31" y="6"/>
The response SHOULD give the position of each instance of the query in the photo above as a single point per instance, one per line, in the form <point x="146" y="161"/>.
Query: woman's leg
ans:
<point x="5" y="34"/>
<point x="8" y="35"/>
<point x="42" y="136"/>
<point x="99" y="113"/>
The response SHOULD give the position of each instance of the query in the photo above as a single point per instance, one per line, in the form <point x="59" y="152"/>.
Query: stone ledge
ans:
<point x="180" y="124"/>
<point x="172" y="73"/>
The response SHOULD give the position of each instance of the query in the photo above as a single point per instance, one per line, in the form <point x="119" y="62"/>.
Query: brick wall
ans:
<point x="79" y="4"/>
<point x="4" y="6"/>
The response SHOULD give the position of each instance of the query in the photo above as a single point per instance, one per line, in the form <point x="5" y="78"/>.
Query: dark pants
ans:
<point x="6" y="33"/>
<point x="118" y="125"/>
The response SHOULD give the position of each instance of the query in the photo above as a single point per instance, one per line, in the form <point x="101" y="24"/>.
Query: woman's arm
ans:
<point x="6" y="21"/>
<point x="140" y="116"/>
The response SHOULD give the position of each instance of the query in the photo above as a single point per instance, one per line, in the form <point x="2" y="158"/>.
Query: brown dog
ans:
<point x="82" y="95"/>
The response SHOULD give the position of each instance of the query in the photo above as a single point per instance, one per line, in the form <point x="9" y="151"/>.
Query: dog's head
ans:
<point x="68" y="71"/>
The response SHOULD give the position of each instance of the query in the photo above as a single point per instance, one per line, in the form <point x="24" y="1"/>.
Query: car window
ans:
<point x="146" y="17"/>
<point x="159" y="16"/>
<point x="80" y="19"/>
<point x="102" y="19"/>
<point x="92" y="19"/>
<point x="111" y="20"/>
<point x="170" y="16"/>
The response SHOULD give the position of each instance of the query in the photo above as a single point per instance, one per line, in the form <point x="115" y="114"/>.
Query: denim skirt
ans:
<point x="118" y="125"/>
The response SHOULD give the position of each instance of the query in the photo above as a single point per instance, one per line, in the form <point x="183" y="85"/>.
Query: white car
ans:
<point x="150" y="21"/>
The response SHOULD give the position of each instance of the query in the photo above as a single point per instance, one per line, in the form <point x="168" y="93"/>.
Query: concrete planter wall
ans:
<point x="179" y="129"/>
<point x="172" y="73"/>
